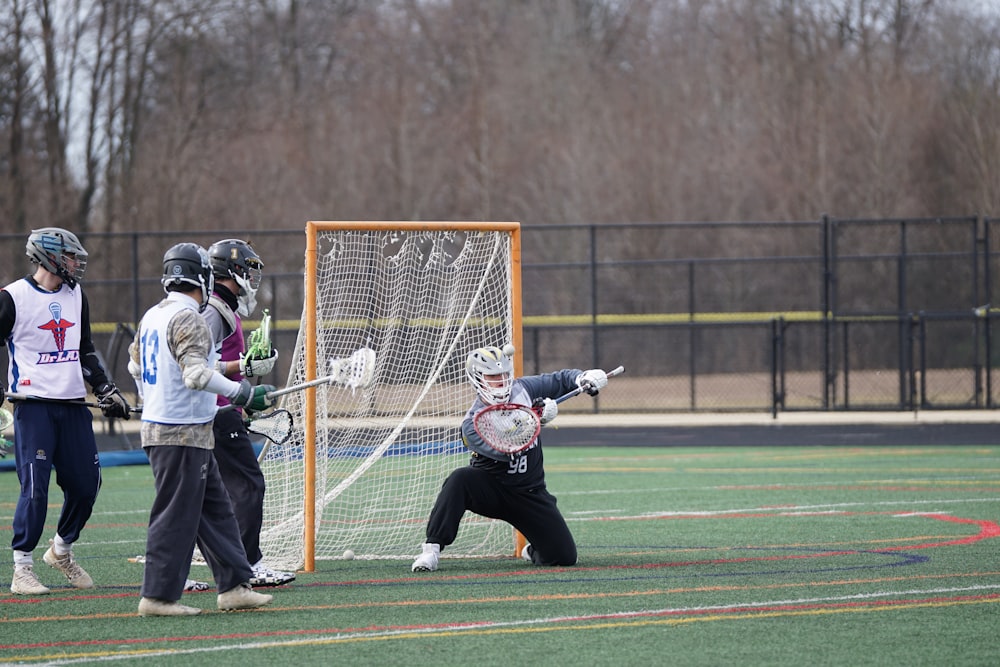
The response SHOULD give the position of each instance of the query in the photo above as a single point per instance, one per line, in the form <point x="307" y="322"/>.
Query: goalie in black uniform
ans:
<point x="500" y="486"/>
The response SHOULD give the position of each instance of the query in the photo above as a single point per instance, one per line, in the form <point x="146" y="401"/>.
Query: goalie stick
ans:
<point x="509" y="428"/>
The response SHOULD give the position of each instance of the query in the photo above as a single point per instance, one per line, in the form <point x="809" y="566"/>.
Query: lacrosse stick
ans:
<point x="86" y="404"/>
<point x="510" y="428"/>
<point x="357" y="370"/>
<point x="259" y="344"/>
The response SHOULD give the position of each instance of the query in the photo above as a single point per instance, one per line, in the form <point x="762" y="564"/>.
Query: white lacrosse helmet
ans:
<point x="493" y="362"/>
<point x="53" y="248"/>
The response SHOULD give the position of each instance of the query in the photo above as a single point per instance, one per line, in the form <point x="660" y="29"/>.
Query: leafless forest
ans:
<point x="120" y="115"/>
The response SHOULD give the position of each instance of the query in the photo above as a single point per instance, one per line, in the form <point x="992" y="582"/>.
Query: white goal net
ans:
<point x="393" y="312"/>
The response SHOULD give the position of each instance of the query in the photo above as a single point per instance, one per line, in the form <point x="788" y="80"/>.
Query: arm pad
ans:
<point x="200" y="377"/>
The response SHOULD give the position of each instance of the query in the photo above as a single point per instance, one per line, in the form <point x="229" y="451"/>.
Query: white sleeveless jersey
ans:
<point x="174" y="325"/>
<point x="44" y="346"/>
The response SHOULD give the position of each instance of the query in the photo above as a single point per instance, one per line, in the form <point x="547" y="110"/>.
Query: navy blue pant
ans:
<point x="242" y="476"/>
<point x="191" y="505"/>
<point x="532" y="512"/>
<point x="51" y="435"/>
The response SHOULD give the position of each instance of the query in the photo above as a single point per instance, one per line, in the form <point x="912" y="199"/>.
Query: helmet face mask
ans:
<point x="186" y="266"/>
<point x="236" y="259"/>
<point x="491" y="372"/>
<point x="59" y="252"/>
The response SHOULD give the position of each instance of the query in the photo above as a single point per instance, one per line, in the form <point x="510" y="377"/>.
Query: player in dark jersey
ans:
<point x="498" y="486"/>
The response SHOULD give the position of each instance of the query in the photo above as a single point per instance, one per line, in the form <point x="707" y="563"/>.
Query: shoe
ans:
<point x="192" y="586"/>
<point x="77" y="576"/>
<point x="526" y="553"/>
<point x="154" y="607"/>
<point x="428" y="560"/>
<point x="242" y="597"/>
<point x="265" y="576"/>
<point x="26" y="583"/>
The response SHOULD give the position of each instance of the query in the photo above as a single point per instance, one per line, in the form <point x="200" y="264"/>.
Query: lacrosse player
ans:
<point x="173" y="360"/>
<point x="501" y="486"/>
<point x="237" y="270"/>
<point x="45" y="322"/>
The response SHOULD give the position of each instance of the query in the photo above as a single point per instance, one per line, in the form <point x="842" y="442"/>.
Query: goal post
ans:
<point x="391" y="310"/>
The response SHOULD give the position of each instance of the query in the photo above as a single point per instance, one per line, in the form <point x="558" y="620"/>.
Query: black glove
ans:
<point x="111" y="402"/>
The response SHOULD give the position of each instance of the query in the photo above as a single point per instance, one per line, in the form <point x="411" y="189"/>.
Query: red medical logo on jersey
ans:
<point x="58" y="326"/>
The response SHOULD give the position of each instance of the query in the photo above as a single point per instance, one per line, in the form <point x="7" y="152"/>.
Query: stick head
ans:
<point x="6" y="419"/>
<point x="276" y="426"/>
<point x="506" y="427"/>
<point x="357" y="370"/>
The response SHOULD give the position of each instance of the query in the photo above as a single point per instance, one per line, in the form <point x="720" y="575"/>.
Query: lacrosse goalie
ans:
<point x="237" y="269"/>
<point x="507" y="485"/>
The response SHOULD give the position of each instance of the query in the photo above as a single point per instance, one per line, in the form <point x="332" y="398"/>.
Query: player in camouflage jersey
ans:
<point x="173" y="360"/>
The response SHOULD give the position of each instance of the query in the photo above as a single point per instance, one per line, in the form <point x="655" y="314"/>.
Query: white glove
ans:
<point x="550" y="410"/>
<point x="135" y="371"/>
<point x="592" y="381"/>
<point x="257" y="367"/>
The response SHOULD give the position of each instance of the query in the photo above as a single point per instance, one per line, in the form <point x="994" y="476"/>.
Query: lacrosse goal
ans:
<point x="372" y="447"/>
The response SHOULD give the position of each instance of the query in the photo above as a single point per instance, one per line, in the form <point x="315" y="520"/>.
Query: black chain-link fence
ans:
<point x="753" y="316"/>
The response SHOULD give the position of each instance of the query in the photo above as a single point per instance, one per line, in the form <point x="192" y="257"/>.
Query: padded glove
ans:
<point x="253" y="397"/>
<point x="592" y="381"/>
<point x="111" y="402"/>
<point x="253" y="367"/>
<point x="547" y="410"/>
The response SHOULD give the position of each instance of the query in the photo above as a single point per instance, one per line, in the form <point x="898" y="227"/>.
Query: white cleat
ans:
<point x="76" y="575"/>
<point x="154" y="607"/>
<point x="25" y="582"/>
<point x="428" y="560"/>
<point x="242" y="597"/>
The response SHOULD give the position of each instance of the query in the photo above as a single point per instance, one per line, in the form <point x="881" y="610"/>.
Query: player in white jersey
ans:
<point x="45" y="323"/>
<point x="173" y="360"/>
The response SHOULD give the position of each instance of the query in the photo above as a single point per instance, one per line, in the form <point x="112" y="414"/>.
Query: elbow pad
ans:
<point x="200" y="377"/>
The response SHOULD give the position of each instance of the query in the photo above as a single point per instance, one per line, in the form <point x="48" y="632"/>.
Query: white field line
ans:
<point x="830" y="508"/>
<point x="494" y="625"/>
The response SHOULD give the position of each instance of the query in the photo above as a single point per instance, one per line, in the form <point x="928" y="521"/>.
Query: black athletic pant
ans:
<point x="533" y="513"/>
<point x="242" y="476"/>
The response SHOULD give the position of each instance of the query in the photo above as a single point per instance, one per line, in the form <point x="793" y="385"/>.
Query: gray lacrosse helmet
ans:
<point x="187" y="266"/>
<point x="54" y="248"/>
<point x="490" y="361"/>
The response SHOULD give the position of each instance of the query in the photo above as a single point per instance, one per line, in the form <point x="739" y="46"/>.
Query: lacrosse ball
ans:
<point x="509" y="350"/>
<point x="349" y="555"/>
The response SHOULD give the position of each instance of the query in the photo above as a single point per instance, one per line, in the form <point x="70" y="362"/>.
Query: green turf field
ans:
<point x="725" y="556"/>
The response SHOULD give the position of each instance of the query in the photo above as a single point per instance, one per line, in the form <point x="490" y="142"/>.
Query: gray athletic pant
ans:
<point x="191" y="504"/>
